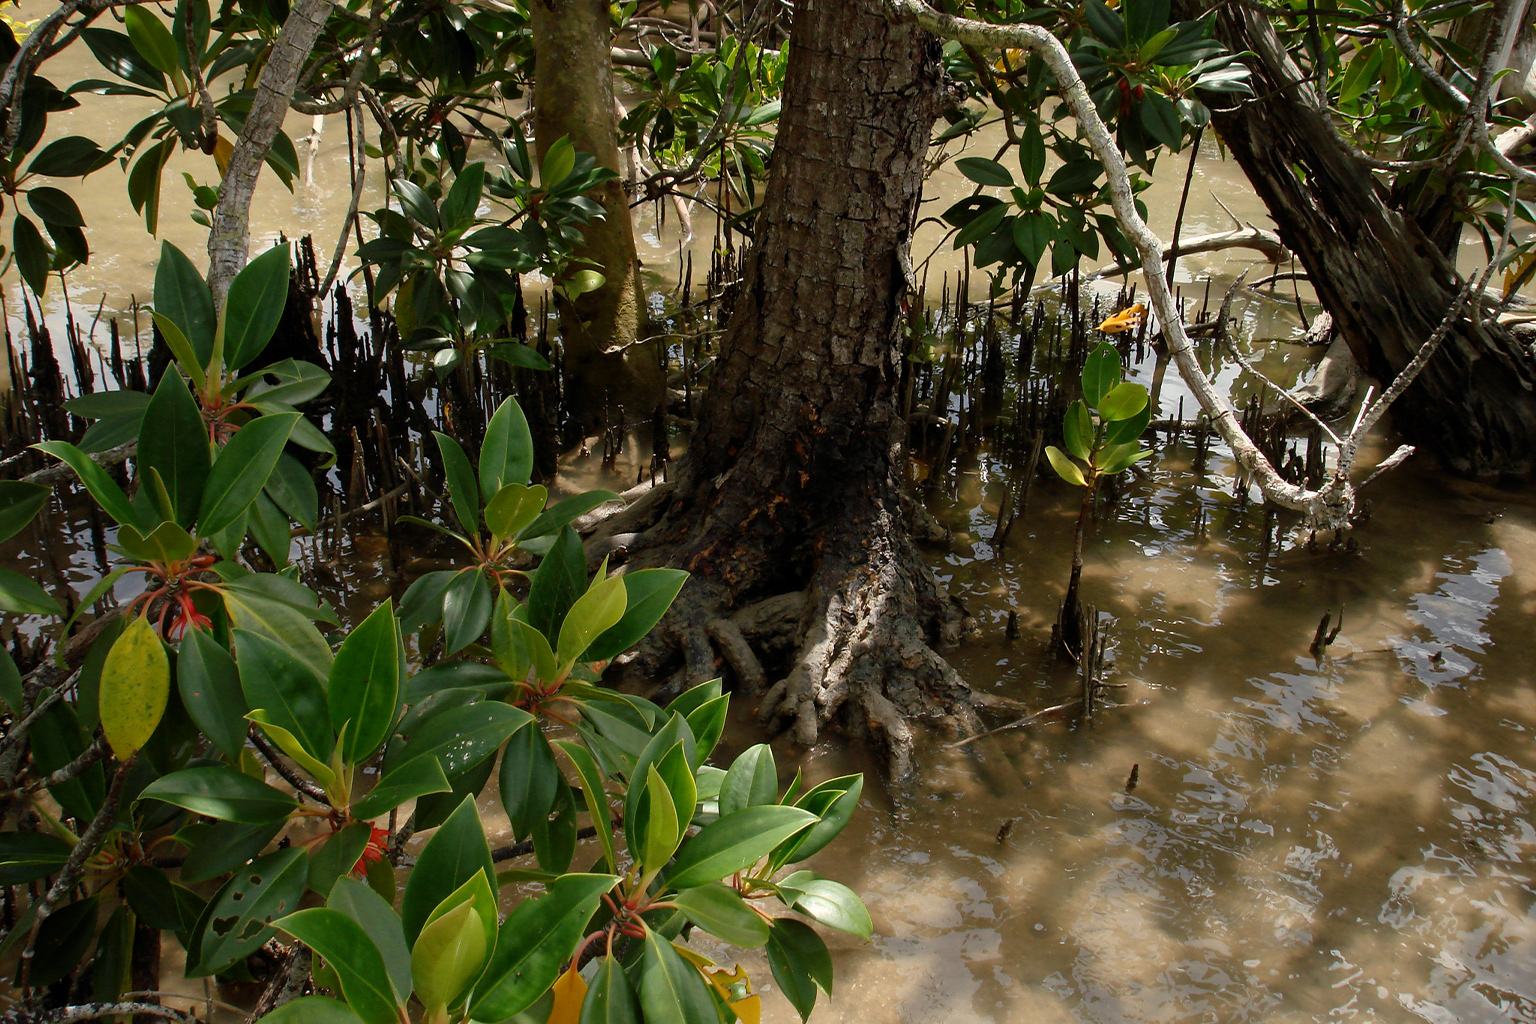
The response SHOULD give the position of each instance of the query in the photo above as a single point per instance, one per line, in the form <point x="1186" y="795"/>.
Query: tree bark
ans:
<point x="792" y="480"/>
<point x="573" y="96"/>
<point x="1386" y="282"/>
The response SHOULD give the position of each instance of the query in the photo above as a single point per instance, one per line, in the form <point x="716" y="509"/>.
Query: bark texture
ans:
<point x="792" y="481"/>
<point x="1375" y="267"/>
<point x="573" y="96"/>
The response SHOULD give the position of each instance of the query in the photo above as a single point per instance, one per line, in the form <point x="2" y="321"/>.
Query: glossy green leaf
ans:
<point x="1077" y="430"/>
<point x="446" y="957"/>
<point x="151" y="38"/>
<point x="461" y="737"/>
<point x="21" y="595"/>
<point x="671" y="988"/>
<point x="1118" y="457"/>
<point x="506" y="455"/>
<point x="379" y="920"/>
<point x="1129" y="429"/>
<point x="19" y="502"/>
<point x="984" y="172"/>
<point x="312" y="763"/>
<point x="610" y="998"/>
<point x="833" y="802"/>
<point x="735" y="842"/>
<point x="135" y="685"/>
<point x="529" y="779"/>
<point x="467" y="604"/>
<point x="800" y="963"/>
<point x="255" y="306"/>
<point x="33" y="255"/>
<point x="722" y="912"/>
<point x="278" y="621"/>
<point x="462" y="488"/>
<point x="415" y="778"/>
<point x="291" y="692"/>
<point x="595" y="796"/>
<point x="225" y="846"/>
<point x="242" y="469"/>
<point x="752" y="780"/>
<point x="313" y="1010"/>
<point x="357" y="962"/>
<point x="534" y="942"/>
<point x="648" y="595"/>
<point x="183" y="298"/>
<point x="165" y="544"/>
<point x="1101" y="372"/>
<point x="673" y="733"/>
<point x="1064" y="466"/>
<point x="463" y="198"/>
<point x="554" y="518"/>
<point x="221" y="793"/>
<point x="707" y="724"/>
<point x="455" y="852"/>
<point x="657" y="824"/>
<point x="827" y="902"/>
<point x="239" y="918"/>
<point x="513" y="507"/>
<point x="559" y="580"/>
<point x="1122" y="401"/>
<point x="598" y="610"/>
<point x="337" y="856"/>
<point x="29" y="856"/>
<point x="181" y="348"/>
<point x="364" y="685"/>
<point x="101" y="486"/>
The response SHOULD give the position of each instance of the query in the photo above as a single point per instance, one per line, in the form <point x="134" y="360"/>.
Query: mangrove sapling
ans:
<point x="1102" y="432"/>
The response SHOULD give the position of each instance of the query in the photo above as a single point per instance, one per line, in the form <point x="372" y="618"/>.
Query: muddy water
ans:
<point x="1310" y="838"/>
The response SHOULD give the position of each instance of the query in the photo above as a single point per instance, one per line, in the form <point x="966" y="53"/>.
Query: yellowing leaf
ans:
<point x="735" y="989"/>
<point x="1516" y="271"/>
<point x="135" y="683"/>
<point x="223" y="149"/>
<point x="748" y="1010"/>
<point x="570" y="992"/>
<point x="1124" y="320"/>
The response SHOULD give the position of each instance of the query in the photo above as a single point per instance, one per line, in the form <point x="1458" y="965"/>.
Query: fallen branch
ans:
<point x="1266" y="243"/>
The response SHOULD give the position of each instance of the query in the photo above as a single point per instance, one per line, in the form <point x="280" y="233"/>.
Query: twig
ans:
<point x="96" y="1011"/>
<point x="290" y="776"/>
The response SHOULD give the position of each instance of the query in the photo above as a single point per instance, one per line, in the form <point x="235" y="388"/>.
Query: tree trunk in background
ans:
<point x="573" y="96"/>
<point x="1387" y="283"/>
<point x="792" y="482"/>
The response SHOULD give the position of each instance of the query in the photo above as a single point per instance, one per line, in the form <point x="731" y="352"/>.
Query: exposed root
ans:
<point x="733" y="647"/>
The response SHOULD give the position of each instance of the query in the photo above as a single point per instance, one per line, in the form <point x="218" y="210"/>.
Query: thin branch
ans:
<point x="92" y="754"/>
<point x="283" y="768"/>
<point x="97" y="1011"/>
<point x="36" y="48"/>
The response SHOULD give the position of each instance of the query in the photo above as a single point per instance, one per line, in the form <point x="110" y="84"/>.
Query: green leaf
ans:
<point x="1074" y="176"/>
<point x="594" y="795"/>
<point x="239" y="918"/>
<point x="1118" y="457"/>
<point x="255" y="306"/>
<point x="221" y="793"/>
<point x="984" y="224"/>
<point x="135" y="685"/>
<point x="70" y="157"/>
<point x="313" y="1010"/>
<point x="101" y="486"/>
<point x="559" y="160"/>
<point x="29" y="856"/>
<point x="241" y="471"/>
<point x="446" y="957"/>
<point x="506" y="455"/>
<point x="337" y="856"/>
<point x="594" y="612"/>
<point x="415" y="778"/>
<point x="1065" y="467"/>
<point x="1032" y="232"/>
<point x="182" y="297"/>
<point x="610" y="999"/>
<point x="463" y="198"/>
<point x="359" y="902"/>
<point x="833" y="802"/>
<point x="559" y="580"/>
<point x="671" y="988"/>
<point x="984" y="172"/>
<point x="21" y="595"/>
<point x="648" y="595"/>
<point x="724" y="914"/>
<point x="582" y="282"/>
<point x="467" y="605"/>
<point x="33" y="255"/>
<point x="1101" y="372"/>
<point x="657" y="818"/>
<point x="364" y="686"/>
<point x="292" y="488"/>
<point x="751" y="781"/>
<point x="1077" y="430"/>
<point x="357" y="962"/>
<point x="151" y="38"/>
<point x="529" y="779"/>
<point x="296" y="750"/>
<point x="287" y="688"/>
<point x="1123" y="401"/>
<point x="173" y="440"/>
<point x="1161" y="119"/>
<point x="455" y="852"/>
<point x="734" y="842"/>
<point x="708" y="724"/>
<point x="1032" y="155"/>
<point x="11" y="692"/>
<point x="166" y="543"/>
<point x="461" y="483"/>
<point x="534" y="941"/>
<point x="557" y="515"/>
<point x="462" y="736"/>
<point x="19" y="502"/>
<point x="800" y="963"/>
<point x="144" y="181"/>
<point x="225" y="846"/>
<point x="1130" y="428"/>
<point x="279" y="621"/>
<point x="54" y="206"/>
<point x="1105" y="23"/>
<point x="830" y="903"/>
<point x="513" y="508"/>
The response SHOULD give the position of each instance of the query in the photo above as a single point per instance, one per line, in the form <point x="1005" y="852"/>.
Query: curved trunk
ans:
<point x="792" y="481"/>
<point x="573" y="96"/>
<point x="1385" y="280"/>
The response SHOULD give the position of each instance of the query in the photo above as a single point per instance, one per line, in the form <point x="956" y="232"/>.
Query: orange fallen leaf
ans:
<point x="1124" y="320"/>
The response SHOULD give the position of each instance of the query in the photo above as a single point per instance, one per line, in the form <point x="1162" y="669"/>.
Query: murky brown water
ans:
<point x="1309" y="839"/>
